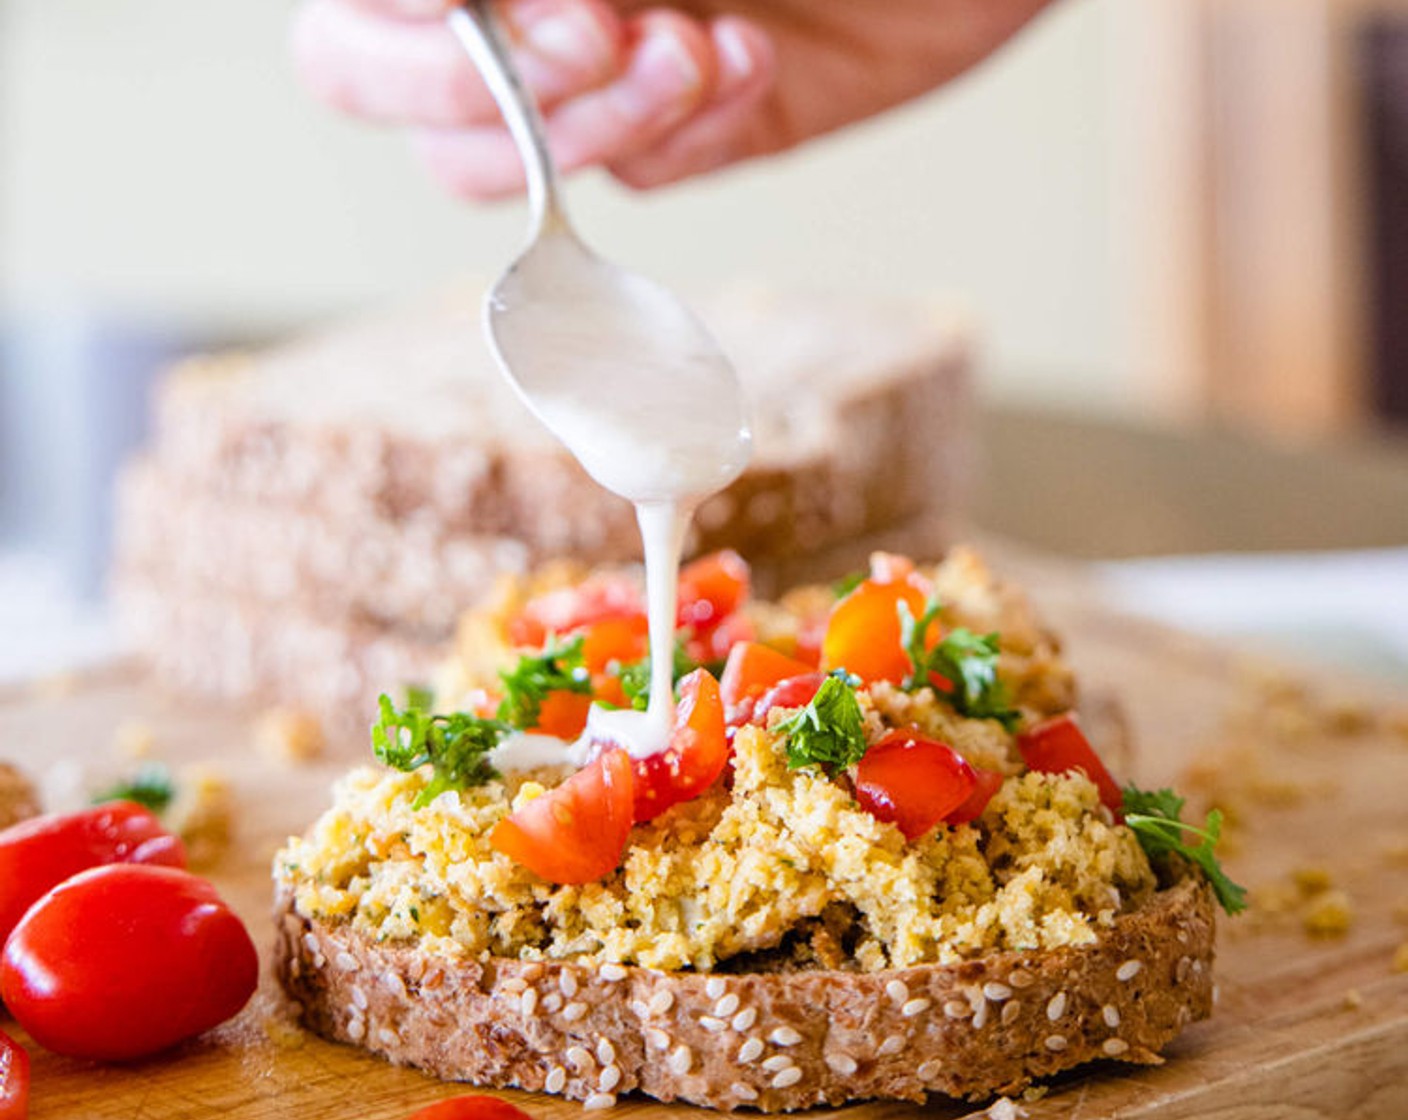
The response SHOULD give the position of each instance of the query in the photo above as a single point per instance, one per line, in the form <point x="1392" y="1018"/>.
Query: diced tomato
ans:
<point x="711" y="588"/>
<point x="794" y="692"/>
<point x="38" y="854"/>
<point x="713" y="646"/>
<point x="576" y="832"/>
<point x="863" y="634"/>
<point x="471" y="1108"/>
<point x="696" y="755"/>
<point x="913" y="781"/>
<point x="126" y="960"/>
<point x="988" y="783"/>
<point x="14" y="1079"/>
<point x="563" y="713"/>
<point x="622" y="640"/>
<point x="1059" y="746"/>
<point x="568" y="609"/>
<point x="751" y="670"/>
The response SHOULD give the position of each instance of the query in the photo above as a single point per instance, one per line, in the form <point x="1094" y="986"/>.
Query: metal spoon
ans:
<point x="614" y="364"/>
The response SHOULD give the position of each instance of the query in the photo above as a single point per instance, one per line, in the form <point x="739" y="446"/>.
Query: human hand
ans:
<point x="654" y="94"/>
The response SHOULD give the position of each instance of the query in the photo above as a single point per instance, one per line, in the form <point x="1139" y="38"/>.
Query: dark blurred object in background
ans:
<point x="73" y="404"/>
<point x="1384" y="73"/>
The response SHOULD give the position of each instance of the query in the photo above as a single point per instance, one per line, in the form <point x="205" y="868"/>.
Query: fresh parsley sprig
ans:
<point x="635" y="676"/>
<point x="150" y="786"/>
<point x="967" y="661"/>
<point x="456" y="745"/>
<point x="1154" y="817"/>
<point x="830" y="731"/>
<point x="555" y="668"/>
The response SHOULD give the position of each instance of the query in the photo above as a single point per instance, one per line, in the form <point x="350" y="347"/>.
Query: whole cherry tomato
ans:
<point x="913" y="781"/>
<point x="1058" y="746"/>
<point x="126" y="960"/>
<point x="38" y="854"/>
<point x="471" y="1108"/>
<point x="14" y="1079"/>
<point x="576" y="832"/>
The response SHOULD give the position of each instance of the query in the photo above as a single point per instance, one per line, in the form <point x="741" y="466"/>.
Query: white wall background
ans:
<point x="158" y="157"/>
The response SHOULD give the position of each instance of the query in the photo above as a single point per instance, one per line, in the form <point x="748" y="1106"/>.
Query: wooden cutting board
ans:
<point x="1307" y="1026"/>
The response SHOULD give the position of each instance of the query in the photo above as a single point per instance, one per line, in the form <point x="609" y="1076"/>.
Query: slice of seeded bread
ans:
<point x="772" y="1041"/>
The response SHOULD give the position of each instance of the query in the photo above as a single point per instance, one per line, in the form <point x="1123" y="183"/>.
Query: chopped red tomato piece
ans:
<point x="713" y="646"/>
<point x="471" y="1108"/>
<point x="568" y="609"/>
<point x="563" y="713"/>
<point x="988" y="782"/>
<point x="913" y="781"/>
<point x="623" y="639"/>
<point x="39" y="854"/>
<point x="863" y="633"/>
<point x="576" y="832"/>
<point x="14" y="1079"/>
<point x="751" y="670"/>
<point x="1058" y="746"/>
<point x="696" y="755"/>
<point x="794" y="692"/>
<point x="711" y="589"/>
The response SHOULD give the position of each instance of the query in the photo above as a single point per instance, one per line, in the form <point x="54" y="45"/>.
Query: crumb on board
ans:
<point x="1353" y="999"/>
<point x="1034" y="1093"/>
<point x="133" y="740"/>
<point x="1400" y="958"/>
<point x="1004" y="1108"/>
<point x="289" y="735"/>
<point x="18" y="798"/>
<point x="203" y="816"/>
<point x="1328" y="914"/>
<point x="1394" y="849"/>
<point x="283" y="1032"/>
<point x="1311" y="880"/>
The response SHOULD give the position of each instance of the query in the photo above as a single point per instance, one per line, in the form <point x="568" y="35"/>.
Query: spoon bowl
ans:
<point x="615" y="365"/>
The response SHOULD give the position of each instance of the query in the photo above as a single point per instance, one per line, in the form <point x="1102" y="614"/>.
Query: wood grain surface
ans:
<point x="1307" y="1027"/>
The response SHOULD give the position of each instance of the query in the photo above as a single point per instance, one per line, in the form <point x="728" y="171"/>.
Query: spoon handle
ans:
<point x="478" y="29"/>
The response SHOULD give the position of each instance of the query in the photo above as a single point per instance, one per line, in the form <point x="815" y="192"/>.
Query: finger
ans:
<point x="670" y="71"/>
<point x="725" y="130"/>
<point x="414" y="71"/>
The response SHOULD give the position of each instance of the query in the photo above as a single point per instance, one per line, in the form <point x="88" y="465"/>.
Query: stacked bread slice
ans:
<point x="309" y="522"/>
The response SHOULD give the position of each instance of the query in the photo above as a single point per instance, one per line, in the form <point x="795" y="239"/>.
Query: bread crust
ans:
<point x="971" y="1030"/>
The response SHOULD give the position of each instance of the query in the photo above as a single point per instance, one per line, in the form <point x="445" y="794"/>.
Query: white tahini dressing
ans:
<point x="641" y="394"/>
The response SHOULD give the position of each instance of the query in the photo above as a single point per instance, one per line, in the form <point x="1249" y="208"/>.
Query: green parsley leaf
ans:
<point x="635" y="677"/>
<point x="150" y="786"/>
<point x="456" y="745"/>
<point x="846" y="584"/>
<point x="830" y="731"/>
<point x="1154" y="817"/>
<point x="555" y="668"/>
<point x="968" y="661"/>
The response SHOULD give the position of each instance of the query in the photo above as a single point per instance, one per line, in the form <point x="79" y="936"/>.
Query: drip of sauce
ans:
<point x="640" y="393"/>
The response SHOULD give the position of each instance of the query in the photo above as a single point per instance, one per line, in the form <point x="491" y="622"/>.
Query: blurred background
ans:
<point x="1181" y="227"/>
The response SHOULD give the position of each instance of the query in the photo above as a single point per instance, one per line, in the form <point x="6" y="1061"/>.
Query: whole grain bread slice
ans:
<point x="772" y="1041"/>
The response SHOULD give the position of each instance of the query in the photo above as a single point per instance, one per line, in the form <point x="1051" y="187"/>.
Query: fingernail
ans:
<point x="663" y="72"/>
<point x="567" y="34"/>
<point x="736" y="63"/>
